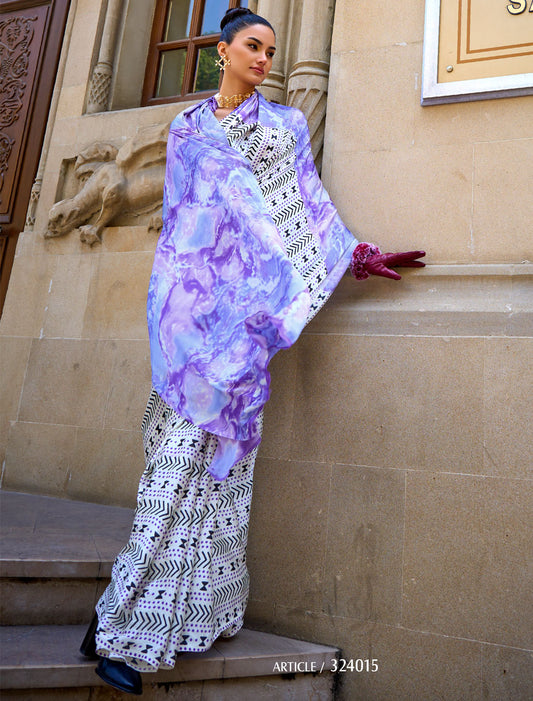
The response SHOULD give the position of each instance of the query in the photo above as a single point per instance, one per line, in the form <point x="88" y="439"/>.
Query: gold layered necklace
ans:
<point x="232" y="101"/>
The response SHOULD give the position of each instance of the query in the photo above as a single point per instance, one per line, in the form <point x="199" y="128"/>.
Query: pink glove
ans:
<point x="368" y="260"/>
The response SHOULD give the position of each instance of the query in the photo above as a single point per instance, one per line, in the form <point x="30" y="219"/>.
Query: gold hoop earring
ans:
<point x="223" y="63"/>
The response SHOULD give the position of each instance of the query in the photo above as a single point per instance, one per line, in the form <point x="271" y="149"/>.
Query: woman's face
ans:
<point x="251" y="53"/>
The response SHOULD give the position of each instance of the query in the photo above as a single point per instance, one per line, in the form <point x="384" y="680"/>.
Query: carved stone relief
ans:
<point x="125" y="186"/>
<point x="16" y="34"/>
<point x="115" y="186"/>
<point x="6" y="145"/>
<point x="100" y="86"/>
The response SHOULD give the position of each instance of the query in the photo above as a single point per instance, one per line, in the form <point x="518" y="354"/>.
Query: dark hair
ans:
<point x="238" y="18"/>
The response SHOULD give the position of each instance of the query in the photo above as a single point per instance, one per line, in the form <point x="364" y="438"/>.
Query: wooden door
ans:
<point x="31" y="32"/>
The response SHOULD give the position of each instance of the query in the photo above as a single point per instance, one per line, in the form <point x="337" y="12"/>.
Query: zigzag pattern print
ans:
<point x="272" y="156"/>
<point x="181" y="581"/>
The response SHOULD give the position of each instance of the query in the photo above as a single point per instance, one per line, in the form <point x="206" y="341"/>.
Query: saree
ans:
<point x="181" y="581"/>
<point x="224" y="296"/>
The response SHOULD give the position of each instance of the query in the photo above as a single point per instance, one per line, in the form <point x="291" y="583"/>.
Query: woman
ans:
<point x="250" y="250"/>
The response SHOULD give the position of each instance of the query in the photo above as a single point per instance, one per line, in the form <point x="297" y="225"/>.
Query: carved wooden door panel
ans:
<point x="31" y="32"/>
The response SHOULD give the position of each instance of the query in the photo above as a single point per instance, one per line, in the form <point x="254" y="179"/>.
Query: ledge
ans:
<point x="59" y="538"/>
<point x="41" y="657"/>
<point x="484" y="269"/>
<point x="44" y="537"/>
<point x="438" y="300"/>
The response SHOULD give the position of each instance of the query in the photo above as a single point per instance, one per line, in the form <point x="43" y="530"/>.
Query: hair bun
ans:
<point x="233" y="14"/>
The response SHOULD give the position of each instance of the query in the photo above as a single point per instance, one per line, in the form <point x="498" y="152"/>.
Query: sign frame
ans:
<point x="435" y="93"/>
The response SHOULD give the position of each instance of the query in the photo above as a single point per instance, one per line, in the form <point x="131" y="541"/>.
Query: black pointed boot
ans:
<point x="119" y="675"/>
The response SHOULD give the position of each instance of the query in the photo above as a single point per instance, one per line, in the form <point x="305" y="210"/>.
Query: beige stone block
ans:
<point x="116" y="126"/>
<point x="409" y="662"/>
<point x="297" y="622"/>
<point x="288" y="532"/>
<point x="469" y="122"/>
<point x="389" y="402"/>
<point x="130" y="56"/>
<point x="112" y="127"/>
<point x="66" y="132"/>
<point x="38" y="457"/>
<point x="502" y="206"/>
<point x="25" y="244"/>
<point x="14" y="353"/>
<point x="318" y="687"/>
<point x="280" y="408"/>
<point x="130" y="386"/>
<point x="363" y="568"/>
<point x="365" y="25"/>
<point x="507" y="673"/>
<point x="411" y="665"/>
<point x="260" y="616"/>
<point x="467" y="557"/>
<point x="71" y="101"/>
<point x="67" y="301"/>
<point x="157" y="691"/>
<point x="508" y="389"/>
<point x="120" y="239"/>
<point x="379" y="118"/>
<point x="68" y="382"/>
<point x="69" y="245"/>
<point x="27" y="296"/>
<point x="81" y="694"/>
<point x="116" y="239"/>
<point x="102" y="128"/>
<point x="47" y="602"/>
<point x="81" y="43"/>
<point x="106" y="467"/>
<point x="383" y="196"/>
<point x="116" y="306"/>
<point x="465" y="300"/>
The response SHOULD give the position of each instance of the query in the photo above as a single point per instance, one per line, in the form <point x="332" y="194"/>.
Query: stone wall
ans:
<point x="392" y="507"/>
<point x="73" y="338"/>
<point x="393" y="502"/>
<point x="73" y="335"/>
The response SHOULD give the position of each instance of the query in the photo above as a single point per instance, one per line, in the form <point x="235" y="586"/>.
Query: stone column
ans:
<point x="277" y="12"/>
<point x="100" y="90"/>
<point x="308" y="80"/>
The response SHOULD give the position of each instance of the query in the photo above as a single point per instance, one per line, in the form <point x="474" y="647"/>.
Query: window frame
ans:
<point x="192" y="44"/>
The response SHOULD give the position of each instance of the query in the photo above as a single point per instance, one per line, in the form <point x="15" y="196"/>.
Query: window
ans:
<point x="183" y="49"/>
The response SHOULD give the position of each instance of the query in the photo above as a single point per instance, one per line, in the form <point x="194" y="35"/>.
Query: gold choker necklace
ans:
<point x="232" y="101"/>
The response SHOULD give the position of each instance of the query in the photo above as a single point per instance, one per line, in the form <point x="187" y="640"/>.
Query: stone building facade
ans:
<point x="393" y="492"/>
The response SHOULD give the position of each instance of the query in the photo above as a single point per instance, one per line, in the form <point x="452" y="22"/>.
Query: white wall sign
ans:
<point x="477" y="49"/>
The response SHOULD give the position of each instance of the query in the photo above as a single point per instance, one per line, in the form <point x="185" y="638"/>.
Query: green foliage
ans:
<point x="207" y="74"/>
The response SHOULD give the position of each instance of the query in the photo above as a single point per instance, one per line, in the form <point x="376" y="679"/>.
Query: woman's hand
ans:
<point x="380" y="263"/>
<point x="368" y="260"/>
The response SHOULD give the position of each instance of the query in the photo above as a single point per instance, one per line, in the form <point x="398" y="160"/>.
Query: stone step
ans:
<point x="56" y="557"/>
<point x="45" y="659"/>
<point x="56" y="560"/>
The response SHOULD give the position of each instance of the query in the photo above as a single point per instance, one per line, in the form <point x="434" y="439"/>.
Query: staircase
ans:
<point x="56" y="561"/>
